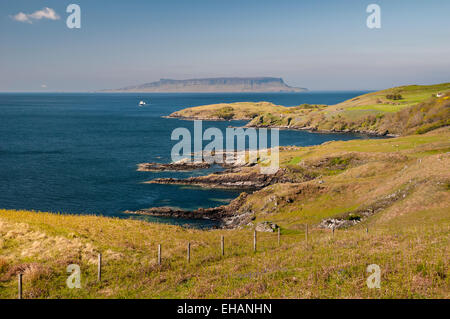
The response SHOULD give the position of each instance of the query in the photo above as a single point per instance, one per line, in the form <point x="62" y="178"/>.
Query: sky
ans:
<point x="317" y="44"/>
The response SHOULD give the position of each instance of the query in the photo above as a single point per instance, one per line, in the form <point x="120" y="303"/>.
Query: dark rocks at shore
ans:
<point x="231" y="179"/>
<point x="314" y="129"/>
<point x="209" y="183"/>
<point x="225" y="159"/>
<point x="215" y="213"/>
<point x="234" y="215"/>
<point x="242" y="176"/>
<point x="228" y="215"/>
<point x="176" y="166"/>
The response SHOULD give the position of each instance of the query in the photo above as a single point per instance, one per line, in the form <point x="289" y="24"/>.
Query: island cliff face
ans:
<point x="257" y="84"/>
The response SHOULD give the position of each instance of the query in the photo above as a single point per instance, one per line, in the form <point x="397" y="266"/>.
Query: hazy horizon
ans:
<point x="324" y="46"/>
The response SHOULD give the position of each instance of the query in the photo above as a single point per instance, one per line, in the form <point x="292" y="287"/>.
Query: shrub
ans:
<point x="251" y="115"/>
<point x="352" y="216"/>
<point x="226" y="113"/>
<point x="3" y="265"/>
<point x="339" y="161"/>
<point x="395" y="96"/>
<point x="432" y="126"/>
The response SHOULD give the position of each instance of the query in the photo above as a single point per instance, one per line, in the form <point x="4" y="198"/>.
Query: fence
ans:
<point x="188" y="252"/>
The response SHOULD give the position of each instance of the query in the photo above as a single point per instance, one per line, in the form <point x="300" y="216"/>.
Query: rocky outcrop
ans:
<point x="225" y="159"/>
<point x="238" y="178"/>
<point x="245" y="176"/>
<point x="228" y="216"/>
<point x="215" y="213"/>
<point x="266" y="226"/>
<point x="172" y="167"/>
<point x="358" y="215"/>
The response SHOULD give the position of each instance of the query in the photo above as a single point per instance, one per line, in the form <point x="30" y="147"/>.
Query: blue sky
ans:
<point x="321" y="45"/>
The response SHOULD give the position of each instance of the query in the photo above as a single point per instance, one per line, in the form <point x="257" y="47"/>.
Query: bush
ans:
<point x="394" y="96"/>
<point x="3" y="265"/>
<point x="251" y="115"/>
<point x="352" y="216"/>
<point x="339" y="161"/>
<point x="432" y="126"/>
<point x="270" y="119"/>
<point x="226" y="113"/>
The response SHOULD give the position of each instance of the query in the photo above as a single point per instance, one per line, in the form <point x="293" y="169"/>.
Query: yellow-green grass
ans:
<point x="411" y="143"/>
<point x="377" y="107"/>
<point x="411" y="95"/>
<point x="410" y="249"/>
<point x="352" y="173"/>
<point x="237" y="111"/>
<point x="408" y="239"/>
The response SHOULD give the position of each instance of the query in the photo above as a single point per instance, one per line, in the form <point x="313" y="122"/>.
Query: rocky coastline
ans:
<point x="311" y="129"/>
<point x="181" y="166"/>
<point x="245" y="177"/>
<point x="228" y="216"/>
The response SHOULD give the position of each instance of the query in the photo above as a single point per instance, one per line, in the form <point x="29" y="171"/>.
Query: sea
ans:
<point x="76" y="153"/>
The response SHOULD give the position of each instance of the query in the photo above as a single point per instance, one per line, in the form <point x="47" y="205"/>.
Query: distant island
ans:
<point x="232" y="84"/>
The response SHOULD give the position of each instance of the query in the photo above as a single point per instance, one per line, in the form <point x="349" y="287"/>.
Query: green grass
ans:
<point x="378" y="107"/>
<point x="408" y="249"/>
<point x="294" y="160"/>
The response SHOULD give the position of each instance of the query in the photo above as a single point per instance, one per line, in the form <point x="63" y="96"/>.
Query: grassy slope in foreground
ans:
<point x="375" y="113"/>
<point x="408" y="239"/>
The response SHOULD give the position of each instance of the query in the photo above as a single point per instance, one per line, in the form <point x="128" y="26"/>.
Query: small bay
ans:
<point x="77" y="152"/>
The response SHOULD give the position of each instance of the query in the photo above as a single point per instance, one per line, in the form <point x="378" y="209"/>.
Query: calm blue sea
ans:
<point x="77" y="152"/>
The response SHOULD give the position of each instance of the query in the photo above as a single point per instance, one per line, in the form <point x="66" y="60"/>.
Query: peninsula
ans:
<point x="396" y="111"/>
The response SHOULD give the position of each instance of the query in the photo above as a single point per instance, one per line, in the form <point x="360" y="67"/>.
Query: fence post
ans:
<point x="99" y="269"/>
<point x="20" y="286"/>
<point x="279" y="235"/>
<point x="306" y="234"/>
<point x="367" y="230"/>
<point x="254" y="241"/>
<point x="189" y="252"/>
<point x="159" y="254"/>
<point x="222" y="245"/>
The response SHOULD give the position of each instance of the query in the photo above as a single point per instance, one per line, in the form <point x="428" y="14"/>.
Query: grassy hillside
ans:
<point x="345" y="178"/>
<point x="396" y="111"/>
<point x="404" y="183"/>
<point x="229" y="111"/>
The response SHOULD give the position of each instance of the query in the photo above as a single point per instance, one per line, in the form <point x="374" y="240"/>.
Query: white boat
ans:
<point x="142" y="103"/>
